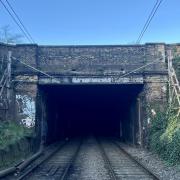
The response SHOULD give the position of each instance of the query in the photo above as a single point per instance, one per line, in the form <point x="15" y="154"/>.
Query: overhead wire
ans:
<point x="124" y="75"/>
<point x="29" y="37"/>
<point x="141" y="67"/>
<point x="31" y="67"/>
<point x="148" y="21"/>
<point x="16" y="22"/>
<point x="20" y="21"/>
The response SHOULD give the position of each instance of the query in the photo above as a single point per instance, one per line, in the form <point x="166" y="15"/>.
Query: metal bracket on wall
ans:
<point x="5" y="83"/>
<point x="174" y="87"/>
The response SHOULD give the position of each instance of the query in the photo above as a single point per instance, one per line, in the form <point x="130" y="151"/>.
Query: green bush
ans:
<point x="11" y="132"/>
<point x="165" y="136"/>
<point x="176" y="65"/>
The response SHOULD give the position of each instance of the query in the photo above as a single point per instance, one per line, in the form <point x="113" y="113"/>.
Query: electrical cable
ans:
<point x="147" y="21"/>
<point x="141" y="67"/>
<point x="20" y="21"/>
<point x="151" y="16"/>
<point x="52" y="77"/>
<point x="14" y="19"/>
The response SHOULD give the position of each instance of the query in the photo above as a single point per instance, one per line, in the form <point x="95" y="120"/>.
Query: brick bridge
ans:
<point x="74" y="90"/>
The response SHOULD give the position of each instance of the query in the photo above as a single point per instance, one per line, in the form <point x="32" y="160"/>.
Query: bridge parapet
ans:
<point x="88" y="60"/>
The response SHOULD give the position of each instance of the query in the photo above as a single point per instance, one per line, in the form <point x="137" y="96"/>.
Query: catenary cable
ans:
<point x="16" y="22"/>
<point x="151" y="16"/>
<point x="20" y="21"/>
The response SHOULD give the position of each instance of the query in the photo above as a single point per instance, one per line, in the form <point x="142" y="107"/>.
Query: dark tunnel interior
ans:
<point x="81" y="110"/>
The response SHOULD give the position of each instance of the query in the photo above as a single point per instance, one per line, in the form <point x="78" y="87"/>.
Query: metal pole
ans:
<point x="139" y="121"/>
<point x="8" y="85"/>
<point x="169" y="75"/>
<point x="9" y="68"/>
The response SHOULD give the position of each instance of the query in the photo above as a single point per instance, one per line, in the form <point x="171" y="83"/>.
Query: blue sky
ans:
<point x="82" y="22"/>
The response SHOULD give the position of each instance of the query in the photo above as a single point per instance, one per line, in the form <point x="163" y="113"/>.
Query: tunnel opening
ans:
<point x="82" y="110"/>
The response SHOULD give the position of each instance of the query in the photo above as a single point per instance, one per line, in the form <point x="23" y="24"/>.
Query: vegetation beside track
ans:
<point x="165" y="136"/>
<point x="11" y="132"/>
<point x="165" y="128"/>
<point x="16" y="143"/>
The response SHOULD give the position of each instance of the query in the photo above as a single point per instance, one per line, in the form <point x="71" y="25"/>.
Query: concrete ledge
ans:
<point x="91" y="80"/>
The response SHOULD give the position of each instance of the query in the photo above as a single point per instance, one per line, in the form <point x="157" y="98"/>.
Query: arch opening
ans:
<point x="81" y="110"/>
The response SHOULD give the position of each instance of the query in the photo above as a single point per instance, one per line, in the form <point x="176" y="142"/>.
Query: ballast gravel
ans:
<point x="153" y="162"/>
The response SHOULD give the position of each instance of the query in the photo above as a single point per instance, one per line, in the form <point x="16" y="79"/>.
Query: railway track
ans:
<point x="80" y="159"/>
<point x="67" y="169"/>
<point x="107" y="162"/>
<point x="121" y="164"/>
<point x="56" y="166"/>
<point x="153" y="175"/>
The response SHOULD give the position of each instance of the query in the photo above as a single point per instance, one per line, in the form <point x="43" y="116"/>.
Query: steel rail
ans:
<point x="153" y="175"/>
<point x="107" y="161"/>
<point x="65" y="173"/>
<point x="36" y="165"/>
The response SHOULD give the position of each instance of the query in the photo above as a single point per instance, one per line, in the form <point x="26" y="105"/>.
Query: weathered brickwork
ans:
<point x="94" y="60"/>
<point x="88" y="64"/>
